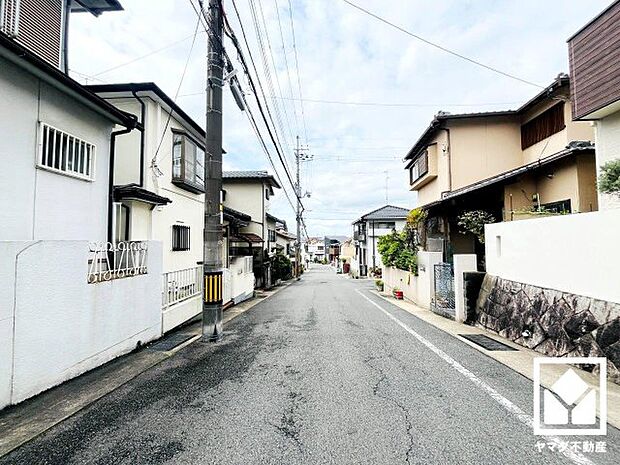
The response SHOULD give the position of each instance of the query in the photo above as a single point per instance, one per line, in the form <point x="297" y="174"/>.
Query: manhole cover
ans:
<point x="486" y="342"/>
<point x="171" y="342"/>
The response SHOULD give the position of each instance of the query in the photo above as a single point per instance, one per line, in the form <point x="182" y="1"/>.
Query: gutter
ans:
<point x="111" y="181"/>
<point x="142" y="135"/>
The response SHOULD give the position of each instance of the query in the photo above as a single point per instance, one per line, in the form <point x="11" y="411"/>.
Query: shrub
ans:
<point x="609" y="179"/>
<point x="282" y="267"/>
<point x="396" y="252"/>
<point x="474" y="221"/>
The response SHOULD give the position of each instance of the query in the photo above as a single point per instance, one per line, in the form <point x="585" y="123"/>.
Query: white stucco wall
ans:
<point x="418" y="288"/>
<point x="39" y="204"/>
<point x="249" y="198"/>
<point x="573" y="253"/>
<point x="607" y="149"/>
<point x="55" y="326"/>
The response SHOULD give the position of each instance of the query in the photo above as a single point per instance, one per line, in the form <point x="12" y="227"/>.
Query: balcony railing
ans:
<point x="357" y="236"/>
<point x="108" y="261"/>
<point x="181" y="285"/>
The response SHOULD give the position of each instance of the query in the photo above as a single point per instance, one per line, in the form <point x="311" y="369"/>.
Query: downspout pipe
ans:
<point x="111" y="180"/>
<point x="65" y="36"/>
<point x="142" y="135"/>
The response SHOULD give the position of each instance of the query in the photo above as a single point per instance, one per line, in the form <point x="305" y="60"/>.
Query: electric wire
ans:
<point x="303" y="113"/>
<point x="440" y="47"/>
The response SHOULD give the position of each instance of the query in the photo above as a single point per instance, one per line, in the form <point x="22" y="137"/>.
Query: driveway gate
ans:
<point x="442" y="302"/>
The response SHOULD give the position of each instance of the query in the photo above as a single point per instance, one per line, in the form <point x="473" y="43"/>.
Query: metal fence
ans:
<point x="181" y="285"/>
<point x="443" y="295"/>
<point x="108" y="260"/>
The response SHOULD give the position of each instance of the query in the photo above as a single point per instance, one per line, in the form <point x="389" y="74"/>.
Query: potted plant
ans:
<point x="379" y="285"/>
<point x="398" y="294"/>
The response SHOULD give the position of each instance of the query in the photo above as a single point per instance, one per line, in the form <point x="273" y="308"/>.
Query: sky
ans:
<point x="343" y="56"/>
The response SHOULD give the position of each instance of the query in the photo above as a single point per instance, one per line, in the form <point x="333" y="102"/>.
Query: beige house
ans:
<point x="513" y="164"/>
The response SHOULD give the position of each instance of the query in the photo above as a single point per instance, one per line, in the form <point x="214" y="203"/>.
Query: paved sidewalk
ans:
<point x="22" y="422"/>
<point x="520" y="360"/>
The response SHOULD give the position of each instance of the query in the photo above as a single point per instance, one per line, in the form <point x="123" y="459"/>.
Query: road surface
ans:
<point x="324" y="372"/>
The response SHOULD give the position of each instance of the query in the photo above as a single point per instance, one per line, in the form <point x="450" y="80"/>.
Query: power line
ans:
<point x="267" y="73"/>
<point x="253" y="86"/>
<point x="303" y="113"/>
<point x="288" y="71"/>
<point x="176" y="95"/>
<point x="380" y="104"/>
<point x="153" y="52"/>
<point x="444" y="49"/>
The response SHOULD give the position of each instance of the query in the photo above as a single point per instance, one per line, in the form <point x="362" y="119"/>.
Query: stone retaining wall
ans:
<point x="559" y="323"/>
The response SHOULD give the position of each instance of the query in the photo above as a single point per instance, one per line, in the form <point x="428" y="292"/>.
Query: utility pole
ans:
<point x="212" y="264"/>
<point x="298" y="192"/>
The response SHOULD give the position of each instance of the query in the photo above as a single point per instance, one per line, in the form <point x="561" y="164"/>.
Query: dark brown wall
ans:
<point x="594" y="57"/>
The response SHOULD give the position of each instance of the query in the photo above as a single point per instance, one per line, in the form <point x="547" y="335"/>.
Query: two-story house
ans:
<point x="315" y="247"/>
<point x="512" y="164"/>
<point x="367" y="230"/>
<point x="594" y="57"/>
<point x="250" y="192"/>
<point x="64" y="308"/>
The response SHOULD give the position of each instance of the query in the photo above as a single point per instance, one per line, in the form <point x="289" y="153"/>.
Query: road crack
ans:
<point x="380" y="388"/>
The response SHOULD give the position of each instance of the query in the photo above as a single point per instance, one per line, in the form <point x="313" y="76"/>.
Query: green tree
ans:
<point x="609" y="179"/>
<point x="281" y="266"/>
<point x="396" y="251"/>
<point x="473" y="222"/>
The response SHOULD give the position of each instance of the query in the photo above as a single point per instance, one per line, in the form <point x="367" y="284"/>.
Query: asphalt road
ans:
<point x="317" y="374"/>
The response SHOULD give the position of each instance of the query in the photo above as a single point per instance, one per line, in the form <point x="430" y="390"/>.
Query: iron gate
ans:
<point x="443" y="297"/>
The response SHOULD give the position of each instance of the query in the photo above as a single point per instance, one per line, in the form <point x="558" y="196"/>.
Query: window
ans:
<point x="544" y="125"/>
<point x="271" y="235"/>
<point x="563" y="206"/>
<point x="180" y="237"/>
<point x="123" y="215"/>
<point x="64" y="153"/>
<point x="320" y="247"/>
<point x="385" y="225"/>
<point x="188" y="163"/>
<point x="419" y="167"/>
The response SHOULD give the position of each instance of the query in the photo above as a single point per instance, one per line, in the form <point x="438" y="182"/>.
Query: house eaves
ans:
<point x="31" y="63"/>
<point x="152" y="90"/>
<point x="250" y="175"/>
<point x="95" y="7"/>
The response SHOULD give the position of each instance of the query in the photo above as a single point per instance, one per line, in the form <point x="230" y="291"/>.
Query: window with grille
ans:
<point x="188" y="163"/>
<point x="271" y="235"/>
<point x="180" y="237"/>
<point x="65" y="153"/>
<point x="544" y="125"/>
<point x="419" y="167"/>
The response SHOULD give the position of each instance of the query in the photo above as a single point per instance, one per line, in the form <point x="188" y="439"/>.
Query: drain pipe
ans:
<point x="449" y="150"/>
<point x="142" y="135"/>
<point x="111" y="181"/>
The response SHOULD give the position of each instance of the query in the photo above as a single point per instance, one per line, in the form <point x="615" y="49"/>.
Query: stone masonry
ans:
<point x="554" y="323"/>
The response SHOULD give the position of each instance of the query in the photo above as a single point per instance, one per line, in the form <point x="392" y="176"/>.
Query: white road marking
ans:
<point x="519" y="414"/>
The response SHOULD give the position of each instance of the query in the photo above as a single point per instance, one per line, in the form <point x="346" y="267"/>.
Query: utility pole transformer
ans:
<point x="298" y="189"/>
<point x="212" y="264"/>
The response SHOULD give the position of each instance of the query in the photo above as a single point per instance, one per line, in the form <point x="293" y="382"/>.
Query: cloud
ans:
<point x="344" y="55"/>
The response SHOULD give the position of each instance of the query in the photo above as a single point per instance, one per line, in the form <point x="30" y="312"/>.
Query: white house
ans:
<point x="315" y="247"/>
<point x="159" y="194"/>
<point x="366" y="232"/>
<point x="63" y="311"/>
<point x="250" y="192"/>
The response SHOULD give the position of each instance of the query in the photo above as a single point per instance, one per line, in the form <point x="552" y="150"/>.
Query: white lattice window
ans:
<point x="9" y="17"/>
<point x="65" y="153"/>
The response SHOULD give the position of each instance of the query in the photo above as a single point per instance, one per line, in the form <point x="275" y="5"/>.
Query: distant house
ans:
<point x="249" y="192"/>
<point x="367" y="230"/>
<point x="316" y="249"/>
<point x="512" y="164"/>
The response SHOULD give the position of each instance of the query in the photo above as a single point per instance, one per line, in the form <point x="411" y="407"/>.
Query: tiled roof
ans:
<point x="250" y="174"/>
<point x="386" y="212"/>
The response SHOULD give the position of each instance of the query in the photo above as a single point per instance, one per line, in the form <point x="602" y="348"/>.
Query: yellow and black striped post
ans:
<point x="213" y="287"/>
